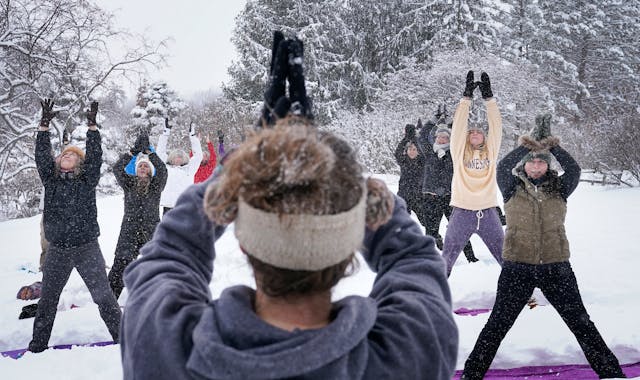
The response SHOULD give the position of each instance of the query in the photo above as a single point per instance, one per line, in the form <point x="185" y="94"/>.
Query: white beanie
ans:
<point x="144" y="159"/>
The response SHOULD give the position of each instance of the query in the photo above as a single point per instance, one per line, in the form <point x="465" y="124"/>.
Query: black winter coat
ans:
<point x="411" y="171"/>
<point x="70" y="213"/>
<point x="141" y="209"/>
<point x="438" y="173"/>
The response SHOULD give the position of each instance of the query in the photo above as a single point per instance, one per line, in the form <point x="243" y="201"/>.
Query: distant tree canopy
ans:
<point x="392" y="61"/>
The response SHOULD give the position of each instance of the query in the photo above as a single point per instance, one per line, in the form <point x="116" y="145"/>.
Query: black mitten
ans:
<point x="278" y="72"/>
<point x="220" y="137"/>
<point x="543" y="127"/>
<point x="409" y="131"/>
<point x="485" y="86"/>
<point x="65" y="137"/>
<point x="141" y="144"/>
<point x="92" y="113"/>
<point x="470" y="85"/>
<point x="300" y="104"/>
<point x="47" y="112"/>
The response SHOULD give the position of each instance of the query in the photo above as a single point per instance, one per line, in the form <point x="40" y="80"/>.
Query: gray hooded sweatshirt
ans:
<point x="172" y="329"/>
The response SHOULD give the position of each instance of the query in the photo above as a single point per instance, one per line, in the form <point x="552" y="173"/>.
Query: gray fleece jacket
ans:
<point x="172" y="329"/>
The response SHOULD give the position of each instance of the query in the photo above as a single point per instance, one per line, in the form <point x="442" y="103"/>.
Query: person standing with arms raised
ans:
<point x="474" y="151"/>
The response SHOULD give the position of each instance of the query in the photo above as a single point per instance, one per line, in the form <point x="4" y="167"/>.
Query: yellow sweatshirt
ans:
<point x="474" y="185"/>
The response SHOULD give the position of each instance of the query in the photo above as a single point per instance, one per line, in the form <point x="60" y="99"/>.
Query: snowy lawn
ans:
<point x="602" y="227"/>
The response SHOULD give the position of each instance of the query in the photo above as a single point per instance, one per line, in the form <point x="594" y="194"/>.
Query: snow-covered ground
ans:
<point x="602" y="227"/>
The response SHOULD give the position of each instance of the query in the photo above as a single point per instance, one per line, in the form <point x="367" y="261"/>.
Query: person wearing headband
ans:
<point x="300" y="208"/>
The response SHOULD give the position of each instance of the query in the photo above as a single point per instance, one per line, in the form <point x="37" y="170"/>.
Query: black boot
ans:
<point x="468" y="253"/>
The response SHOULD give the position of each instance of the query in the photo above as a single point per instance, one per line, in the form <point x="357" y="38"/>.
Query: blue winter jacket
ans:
<point x="172" y="329"/>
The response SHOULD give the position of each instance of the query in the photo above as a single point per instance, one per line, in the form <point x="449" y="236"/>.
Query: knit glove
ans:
<point x="470" y="85"/>
<point x="485" y="86"/>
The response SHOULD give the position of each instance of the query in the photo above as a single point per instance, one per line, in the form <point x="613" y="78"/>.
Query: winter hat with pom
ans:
<point x="540" y="137"/>
<point x="144" y="159"/>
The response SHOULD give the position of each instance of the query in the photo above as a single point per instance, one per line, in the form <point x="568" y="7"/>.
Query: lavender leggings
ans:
<point x="463" y="223"/>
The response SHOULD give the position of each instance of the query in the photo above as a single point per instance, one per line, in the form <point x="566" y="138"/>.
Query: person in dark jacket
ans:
<point x="436" y="184"/>
<point x="71" y="227"/>
<point x="536" y="252"/>
<point x="301" y="208"/>
<point x="411" y="162"/>
<point x="141" y="205"/>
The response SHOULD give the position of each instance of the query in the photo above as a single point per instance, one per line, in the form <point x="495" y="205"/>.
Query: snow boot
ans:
<point x="29" y="311"/>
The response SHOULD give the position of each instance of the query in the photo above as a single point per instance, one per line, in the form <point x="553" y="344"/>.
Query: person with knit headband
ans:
<point x="71" y="226"/>
<point x="474" y="193"/>
<point x="301" y="208"/>
<point x="536" y="252"/>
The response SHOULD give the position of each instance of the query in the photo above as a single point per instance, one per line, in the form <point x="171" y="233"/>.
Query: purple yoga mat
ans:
<point x="16" y="354"/>
<point x="472" y="312"/>
<point x="563" y="372"/>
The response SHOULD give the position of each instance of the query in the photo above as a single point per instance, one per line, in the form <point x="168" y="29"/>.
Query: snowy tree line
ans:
<point x="375" y="66"/>
<point x="371" y="67"/>
<point x="56" y="48"/>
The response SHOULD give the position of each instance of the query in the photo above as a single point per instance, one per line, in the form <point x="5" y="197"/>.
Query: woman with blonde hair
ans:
<point x="474" y="148"/>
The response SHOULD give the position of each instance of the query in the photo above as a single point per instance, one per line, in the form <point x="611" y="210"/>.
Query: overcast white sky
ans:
<point x="201" y="49"/>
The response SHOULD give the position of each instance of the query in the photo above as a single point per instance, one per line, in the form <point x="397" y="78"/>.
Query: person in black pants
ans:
<point x="411" y="162"/>
<point x="141" y="205"/>
<point x="538" y="256"/>
<point x="71" y="226"/>
<point x="436" y="184"/>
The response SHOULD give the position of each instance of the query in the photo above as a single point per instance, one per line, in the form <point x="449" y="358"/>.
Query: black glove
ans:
<point x="220" y="137"/>
<point x="166" y="123"/>
<point x="278" y="72"/>
<point x="92" y="113"/>
<point x="419" y="125"/>
<point x="469" y="86"/>
<point x="65" y="137"/>
<point x="47" y="112"/>
<point x="300" y="103"/>
<point x="542" y="129"/>
<point x="409" y="131"/>
<point x="485" y="86"/>
<point x="141" y="144"/>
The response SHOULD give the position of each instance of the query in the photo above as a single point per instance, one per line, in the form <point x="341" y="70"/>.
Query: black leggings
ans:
<point x="558" y="283"/>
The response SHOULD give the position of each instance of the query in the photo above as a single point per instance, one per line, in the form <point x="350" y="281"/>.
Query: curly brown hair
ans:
<point x="294" y="168"/>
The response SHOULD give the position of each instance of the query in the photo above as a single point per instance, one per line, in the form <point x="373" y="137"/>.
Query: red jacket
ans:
<point x="204" y="171"/>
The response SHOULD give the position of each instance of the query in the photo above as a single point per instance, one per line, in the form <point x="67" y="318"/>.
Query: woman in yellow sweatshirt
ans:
<point x="474" y="151"/>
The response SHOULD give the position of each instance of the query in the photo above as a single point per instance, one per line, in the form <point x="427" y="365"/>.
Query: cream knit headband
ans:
<point x="300" y="241"/>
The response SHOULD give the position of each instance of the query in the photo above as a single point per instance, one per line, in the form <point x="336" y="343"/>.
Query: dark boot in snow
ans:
<point x="29" y="311"/>
<point x="471" y="257"/>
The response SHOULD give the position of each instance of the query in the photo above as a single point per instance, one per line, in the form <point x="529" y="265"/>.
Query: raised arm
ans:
<point x="44" y="158"/>
<point x="93" y="159"/>
<point x="160" y="179"/>
<point x="124" y="180"/>
<point x="459" y="130"/>
<point x="196" y="148"/>
<point x="412" y="297"/>
<point x="169" y="284"/>
<point x="162" y="141"/>
<point x="506" y="180"/>
<point x="571" y="176"/>
<point x="43" y="155"/>
<point x="213" y="158"/>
